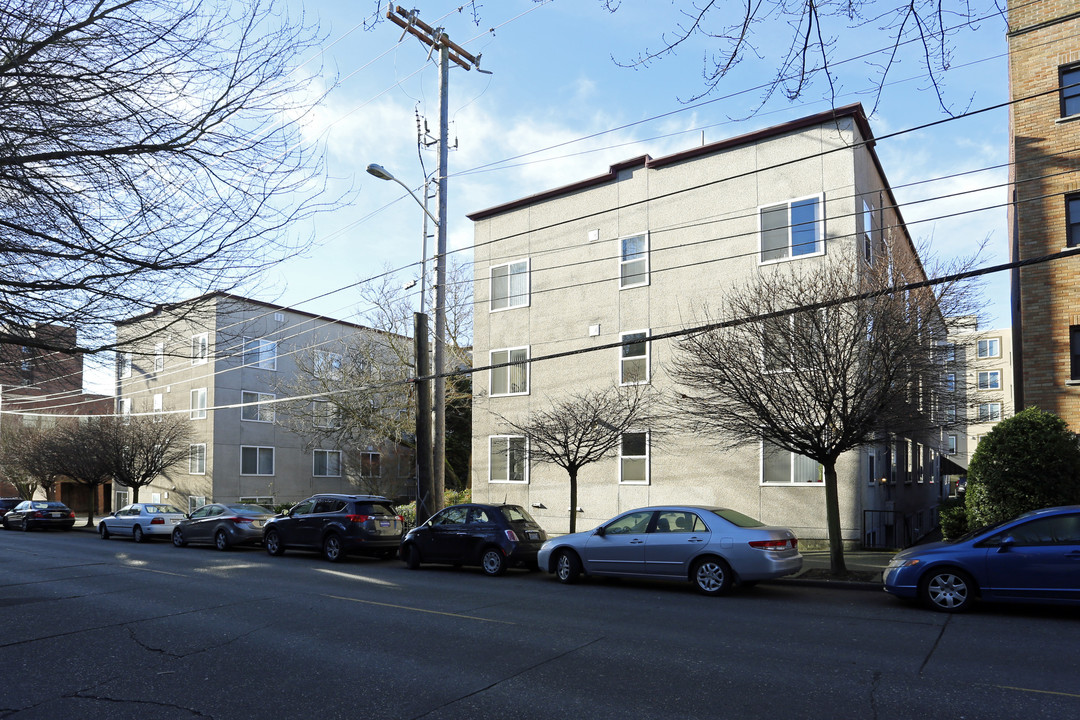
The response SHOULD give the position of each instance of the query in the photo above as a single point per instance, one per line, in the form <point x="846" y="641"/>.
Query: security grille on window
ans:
<point x="989" y="412"/>
<point x="256" y="460"/>
<point x="989" y="348"/>
<point x="256" y="406"/>
<point x="634" y="358"/>
<point x="791" y="229"/>
<point x="260" y="353"/>
<point x="198" y="404"/>
<point x="511" y="379"/>
<point x="370" y="465"/>
<point x="507" y="459"/>
<point x="327" y="463"/>
<point x="1072" y="220"/>
<point x="634" y="261"/>
<point x="990" y="380"/>
<point x="783" y="467"/>
<point x="634" y="458"/>
<point x="200" y="349"/>
<point x="197" y="459"/>
<point x="510" y="285"/>
<point x="1070" y="91"/>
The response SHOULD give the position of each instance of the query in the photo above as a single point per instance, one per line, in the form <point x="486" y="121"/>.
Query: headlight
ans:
<point x="902" y="562"/>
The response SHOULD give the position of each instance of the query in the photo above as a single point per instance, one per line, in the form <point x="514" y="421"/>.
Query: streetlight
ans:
<point x="425" y="485"/>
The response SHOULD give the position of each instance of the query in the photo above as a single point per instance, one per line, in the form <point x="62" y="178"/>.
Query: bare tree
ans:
<point x="821" y="359"/>
<point x="74" y="450"/>
<point x="149" y="150"/>
<point x="140" y="448"/>
<point x="24" y="461"/>
<point x="809" y="34"/>
<point x="583" y="428"/>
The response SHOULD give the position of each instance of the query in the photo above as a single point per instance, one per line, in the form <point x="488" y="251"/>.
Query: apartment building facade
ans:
<point x="229" y="364"/>
<point x="639" y="251"/>
<point x="1044" y="119"/>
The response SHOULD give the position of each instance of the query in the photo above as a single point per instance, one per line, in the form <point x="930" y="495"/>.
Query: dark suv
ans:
<point x="337" y="525"/>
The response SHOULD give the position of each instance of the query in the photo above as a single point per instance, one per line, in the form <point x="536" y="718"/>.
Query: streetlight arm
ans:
<point x="383" y="174"/>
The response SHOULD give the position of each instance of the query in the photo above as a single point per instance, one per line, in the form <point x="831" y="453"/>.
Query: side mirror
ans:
<point x="1006" y="543"/>
<point x="600" y="531"/>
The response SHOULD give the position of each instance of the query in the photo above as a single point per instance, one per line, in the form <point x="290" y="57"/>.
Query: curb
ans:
<point x="829" y="584"/>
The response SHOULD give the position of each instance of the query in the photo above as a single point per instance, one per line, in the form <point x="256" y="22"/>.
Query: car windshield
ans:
<point x="155" y="509"/>
<point x="249" y="508"/>
<point x="980" y="531"/>
<point x="515" y="513"/>
<point x="737" y="518"/>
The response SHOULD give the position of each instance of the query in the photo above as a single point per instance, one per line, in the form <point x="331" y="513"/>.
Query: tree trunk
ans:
<point x="832" y="520"/>
<point x="573" y="500"/>
<point x="134" y="493"/>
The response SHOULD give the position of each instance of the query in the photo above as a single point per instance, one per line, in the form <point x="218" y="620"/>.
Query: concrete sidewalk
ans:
<point x="864" y="568"/>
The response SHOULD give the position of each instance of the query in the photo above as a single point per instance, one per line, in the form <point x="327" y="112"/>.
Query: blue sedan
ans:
<point x="1032" y="558"/>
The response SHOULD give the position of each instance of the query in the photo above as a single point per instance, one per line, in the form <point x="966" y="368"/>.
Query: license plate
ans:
<point x="532" y="535"/>
<point x="384" y="523"/>
<point x="56" y="514"/>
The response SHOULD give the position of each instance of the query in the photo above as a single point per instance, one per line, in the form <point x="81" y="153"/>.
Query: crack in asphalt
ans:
<point x="934" y="647"/>
<point x="181" y="656"/>
<point x="509" y="677"/>
<point x="126" y="701"/>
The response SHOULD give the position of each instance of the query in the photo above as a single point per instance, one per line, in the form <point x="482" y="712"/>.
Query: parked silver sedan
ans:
<point x="140" y="521"/>
<point x="223" y="525"/>
<point x="714" y="548"/>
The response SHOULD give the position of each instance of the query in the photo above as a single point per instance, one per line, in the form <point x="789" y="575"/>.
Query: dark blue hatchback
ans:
<point x="1032" y="558"/>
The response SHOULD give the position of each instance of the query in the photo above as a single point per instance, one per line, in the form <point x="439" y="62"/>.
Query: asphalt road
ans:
<point x="110" y="629"/>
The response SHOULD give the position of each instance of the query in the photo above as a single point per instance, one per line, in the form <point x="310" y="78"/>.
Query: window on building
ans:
<point x="159" y="407"/>
<point x="989" y="412"/>
<point x="783" y="467"/>
<point x="125" y="365"/>
<point x="791" y="229"/>
<point x="328" y="365"/>
<point x="989" y="348"/>
<point x="1070" y="96"/>
<point x="634" y="358"/>
<point x="260" y="353"/>
<point x="327" y="463"/>
<point x="257" y="406"/>
<point x="510" y="285"/>
<point x="256" y="460"/>
<point x="370" y="465"/>
<point x="868" y="232"/>
<point x="200" y="348"/>
<point x="198" y="404"/>
<point x="1074" y="352"/>
<point x="950" y="382"/>
<point x="197" y="459"/>
<point x="950" y="445"/>
<point x="159" y="357"/>
<point x="511" y="379"/>
<point x="634" y="261"/>
<point x="634" y="458"/>
<point x="125" y="410"/>
<point x="507" y="459"/>
<point x="1072" y="220"/>
<point x="990" y="380"/>
<point x="325" y="414"/>
<point x="195" y="502"/>
<point x="871" y="468"/>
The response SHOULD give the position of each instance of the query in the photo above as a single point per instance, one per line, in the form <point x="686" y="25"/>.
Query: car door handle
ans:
<point x="636" y="541"/>
<point x="695" y="539"/>
<point x="1073" y="554"/>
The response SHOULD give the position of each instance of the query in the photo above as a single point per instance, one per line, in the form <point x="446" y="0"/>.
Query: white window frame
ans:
<point x="819" y="229"/>
<point x="195" y="502"/>
<point x="125" y="410"/>
<point x="370" y="458"/>
<point x="328" y="365"/>
<point x="511" y="300"/>
<point x="645" y="458"/>
<point x="258" y="404"/>
<point x="332" y="418"/>
<point x="260" y="353"/>
<point x="159" y="357"/>
<point x="198" y="404"/>
<point x="642" y="259"/>
<point x="329" y="471"/>
<point x="992" y="348"/>
<point x="989" y="380"/>
<point x="200" y="349"/>
<point x="525" y="460"/>
<point x="992" y="412"/>
<point x="868" y="232"/>
<point x="259" y="455"/>
<point x="125" y="365"/>
<point x="158" y="406"/>
<point x="624" y="359"/>
<point x="950" y="444"/>
<point x="497" y="392"/>
<point x="197" y="459"/>
<point x="791" y="470"/>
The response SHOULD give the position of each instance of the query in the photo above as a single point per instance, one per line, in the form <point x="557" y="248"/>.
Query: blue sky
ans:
<point x="555" y="83"/>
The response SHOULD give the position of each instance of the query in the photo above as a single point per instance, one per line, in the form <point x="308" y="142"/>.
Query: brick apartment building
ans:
<point x="1044" y="61"/>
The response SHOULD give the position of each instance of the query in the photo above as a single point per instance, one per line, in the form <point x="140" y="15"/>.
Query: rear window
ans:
<point x="737" y="518"/>
<point x="514" y="513"/>
<point x="248" y="508"/>
<point x="370" y="508"/>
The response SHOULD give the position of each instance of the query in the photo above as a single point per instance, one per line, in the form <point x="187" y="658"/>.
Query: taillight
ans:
<point x="240" y="519"/>
<point x="158" y="521"/>
<point x="775" y="545"/>
<point x="37" y="514"/>
<point x="71" y="514"/>
<point x="511" y="535"/>
<point x="357" y="518"/>
<point x="401" y="519"/>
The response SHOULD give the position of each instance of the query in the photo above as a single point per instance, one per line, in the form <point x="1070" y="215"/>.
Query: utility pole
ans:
<point x="436" y="39"/>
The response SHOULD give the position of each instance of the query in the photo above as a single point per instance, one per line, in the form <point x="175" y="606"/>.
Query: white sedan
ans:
<point x="141" y="521"/>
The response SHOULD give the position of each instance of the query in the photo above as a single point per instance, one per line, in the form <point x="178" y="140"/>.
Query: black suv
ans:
<point x="337" y="525"/>
<point x="491" y="536"/>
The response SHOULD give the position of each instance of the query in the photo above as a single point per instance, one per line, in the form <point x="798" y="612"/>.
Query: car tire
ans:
<point x="103" y="531"/>
<point x="947" y="590"/>
<point x="272" y="543"/>
<point x="25" y="525"/>
<point x="567" y="567"/>
<point x="332" y="549"/>
<point x="221" y="540"/>
<point x="137" y="534"/>
<point x="178" y="538"/>
<point x="411" y="555"/>
<point x="493" y="562"/>
<point x="712" y="576"/>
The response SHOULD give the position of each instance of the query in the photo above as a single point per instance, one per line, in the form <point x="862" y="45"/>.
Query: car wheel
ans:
<point x="221" y="540"/>
<point x="331" y="548"/>
<point x="411" y="556"/>
<point x="712" y="576"/>
<point x="493" y="562"/>
<point x="947" y="590"/>
<point x="25" y="525"/>
<point x="178" y="538"/>
<point x="272" y="542"/>
<point x="137" y="534"/>
<point x="567" y="567"/>
<point x="103" y="531"/>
